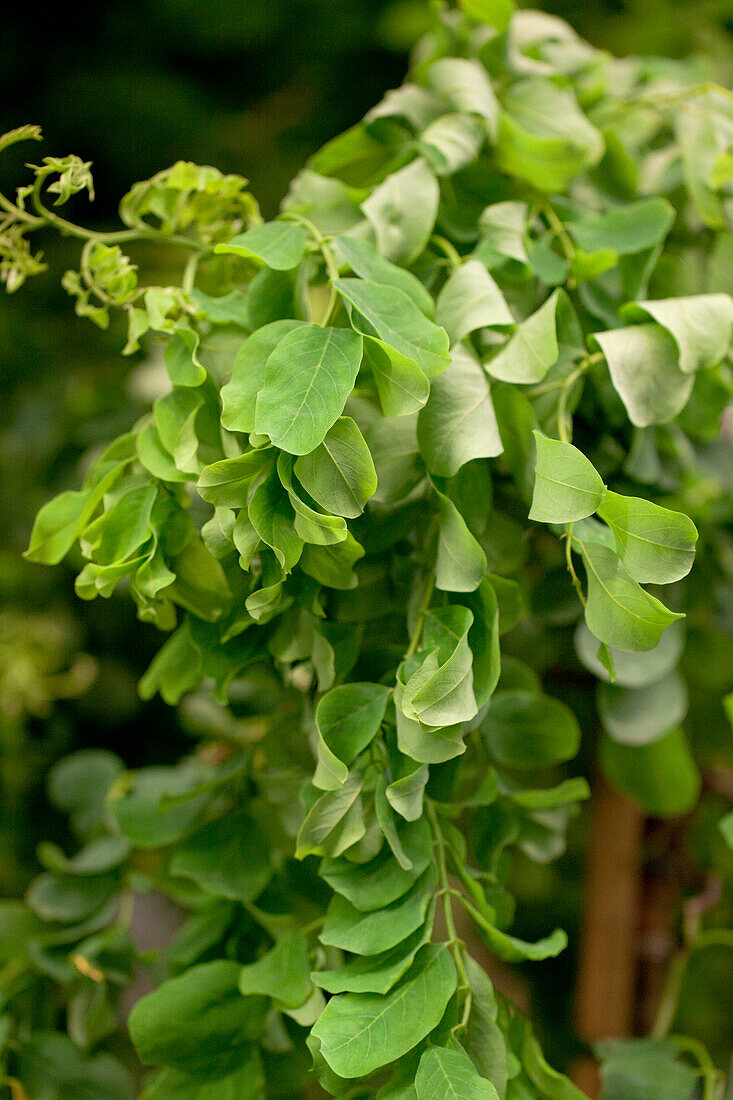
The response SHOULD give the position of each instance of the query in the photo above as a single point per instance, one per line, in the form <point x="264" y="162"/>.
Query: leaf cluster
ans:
<point x="341" y="505"/>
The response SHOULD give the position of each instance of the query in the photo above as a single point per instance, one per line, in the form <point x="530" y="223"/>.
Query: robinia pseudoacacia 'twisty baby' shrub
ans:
<point x="467" y="384"/>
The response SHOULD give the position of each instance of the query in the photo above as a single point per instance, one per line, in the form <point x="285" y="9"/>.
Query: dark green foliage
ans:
<point x="355" y="474"/>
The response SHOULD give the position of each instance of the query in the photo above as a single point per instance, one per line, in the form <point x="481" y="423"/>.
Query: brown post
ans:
<point x="608" y="951"/>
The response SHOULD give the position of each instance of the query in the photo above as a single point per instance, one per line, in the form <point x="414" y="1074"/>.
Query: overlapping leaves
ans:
<point x="327" y="509"/>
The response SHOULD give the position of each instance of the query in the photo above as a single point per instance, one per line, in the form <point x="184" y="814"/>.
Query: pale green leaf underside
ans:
<point x="567" y="486"/>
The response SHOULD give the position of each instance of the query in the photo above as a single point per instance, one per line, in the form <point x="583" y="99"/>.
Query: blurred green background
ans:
<point x="253" y="88"/>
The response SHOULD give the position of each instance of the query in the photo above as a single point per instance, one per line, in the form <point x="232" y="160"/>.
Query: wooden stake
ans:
<point x="608" y="952"/>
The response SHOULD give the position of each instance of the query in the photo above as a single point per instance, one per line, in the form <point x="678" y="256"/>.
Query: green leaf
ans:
<point x="661" y="776"/>
<point x="548" y="798"/>
<point x="361" y="1032"/>
<point x="103" y="853"/>
<point x="422" y="743"/>
<point x="656" y="545"/>
<point x="308" y="377"/>
<point x="181" y="358"/>
<point x="227" y="483"/>
<point x="388" y="823"/>
<point x="228" y="309"/>
<point x="471" y="300"/>
<point x="513" y="950"/>
<point x="245" y="1081"/>
<point x="193" y="1021"/>
<point x="395" y="318"/>
<point x="377" y="931"/>
<point x="349" y="718"/>
<point x="633" y="227"/>
<point x="323" y="817"/>
<point x="446" y="1074"/>
<point x="402" y="386"/>
<point x="643" y="362"/>
<point x="409" y="103"/>
<point x="333" y="565"/>
<point x="701" y="326"/>
<point x="70" y="900"/>
<point x="460" y="562"/>
<point x="703" y="130"/>
<point x="458" y="423"/>
<point x="524" y="730"/>
<point x="78" y="786"/>
<point x="339" y="474"/>
<point x="200" y="585"/>
<point x="651" y="1069"/>
<point x="451" y="142"/>
<point x="146" y="808"/>
<point x="552" y="1084"/>
<point x="483" y="639"/>
<point x="365" y="261"/>
<point x="272" y="517"/>
<point x="331" y="773"/>
<point x="638" y="716"/>
<point x="271" y="296"/>
<point x="726" y="827"/>
<point x="279" y="244"/>
<point x="465" y="86"/>
<point x="126" y="525"/>
<point x="239" y="396"/>
<point x="619" y="612"/>
<point x="544" y="137"/>
<point x="177" y="421"/>
<point x="403" y="210"/>
<point x="357" y="157"/>
<point x="51" y="1066"/>
<point x="485" y="1041"/>
<point x="530" y="352"/>
<point x="227" y="858"/>
<point x="381" y="881"/>
<point x="283" y="973"/>
<point x="567" y="486"/>
<point x="633" y="670"/>
<point x="376" y="973"/>
<point x="497" y="13"/>
<point x="503" y="226"/>
<point x="63" y="519"/>
<point x="440" y="692"/>
<point x="406" y="795"/>
<point x="310" y="525"/>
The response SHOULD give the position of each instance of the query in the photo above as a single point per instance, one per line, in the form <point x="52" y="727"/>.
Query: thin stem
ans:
<point x="559" y="231"/>
<point x="313" y="926"/>
<point x="564" y="420"/>
<point x="69" y="229"/>
<point x="126" y="908"/>
<point x="665" y="99"/>
<point x="328" y="258"/>
<point x="422" y="614"/>
<point x="448" y="249"/>
<point x="712" y="1077"/>
<point x="713" y="937"/>
<point x="569" y="562"/>
<point x="19" y="215"/>
<point x="456" y="945"/>
<point x="189" y="273"/>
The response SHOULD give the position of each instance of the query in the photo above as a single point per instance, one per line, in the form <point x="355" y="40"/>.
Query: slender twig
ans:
<point x="328" y="258"/>
<point x="455" y="943"/>
<point x="448" y="249"/>
<point x="422" y="614"/>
